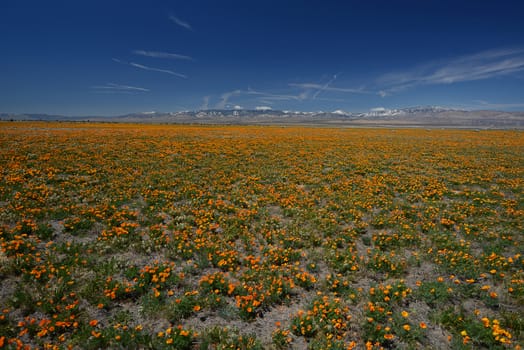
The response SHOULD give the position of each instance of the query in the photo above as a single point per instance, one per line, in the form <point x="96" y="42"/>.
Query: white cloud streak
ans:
<point x="205" y="103"/>
<point x="224" y="98"/>
<point x="324" y="87"/>
<point x="278" y="97"/>
<point x="122" y="87"/>
<point x="118" y="88"/>
<point x="321" y="87"/>
<point x="313" y="90"/>
<point x="179" y="22"/>
<point x="486" y="104"/>
<point x="478" y="66"/>
<point x="160" y="54"/>
<point x="167" y="71"/>
<point x="270" y="97"/>
<point x="265" y="97"/>
<point x="153" y="69"/>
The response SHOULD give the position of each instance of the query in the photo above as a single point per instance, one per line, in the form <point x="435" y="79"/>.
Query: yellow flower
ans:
<point x="405" y="314"/>
<point x="406" y="327"/>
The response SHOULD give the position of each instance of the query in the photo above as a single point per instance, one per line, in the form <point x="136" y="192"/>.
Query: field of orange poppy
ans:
<point x="236" y="237"/>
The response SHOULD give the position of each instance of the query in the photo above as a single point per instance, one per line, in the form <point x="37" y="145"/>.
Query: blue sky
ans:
<point x="115" y="57"/>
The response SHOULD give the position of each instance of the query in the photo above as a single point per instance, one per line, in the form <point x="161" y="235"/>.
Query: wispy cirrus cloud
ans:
<point x="118" y="88"/>
<point x="153" y="69"/>
<point x="490" y="105"/>
<point x="321" y="87"/>
<point x="180" y="22"/>
<point x="262" y="96"/>
<point x="160" y="54"/>
<point x="269" y="96"/>
<point x="205" y="103"/>
<point x="224" y="98"/>
<point x="482" y="65"/>
<point x="310" y="91"/>
<point x="141" y="66"/>
<point x="324" y="87"/>
<point x="313" y="90"/>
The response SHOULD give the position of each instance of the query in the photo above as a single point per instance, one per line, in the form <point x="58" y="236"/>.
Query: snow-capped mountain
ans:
<point x="385" y="112"/>
<point x="341" y="112"/>
<point x="425" y="116"/>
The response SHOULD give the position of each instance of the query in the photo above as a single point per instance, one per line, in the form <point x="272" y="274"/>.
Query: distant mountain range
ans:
<point x="430" y="116"/>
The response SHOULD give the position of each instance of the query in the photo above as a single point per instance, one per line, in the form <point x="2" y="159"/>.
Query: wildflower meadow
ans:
<point x="248" y="237"/>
